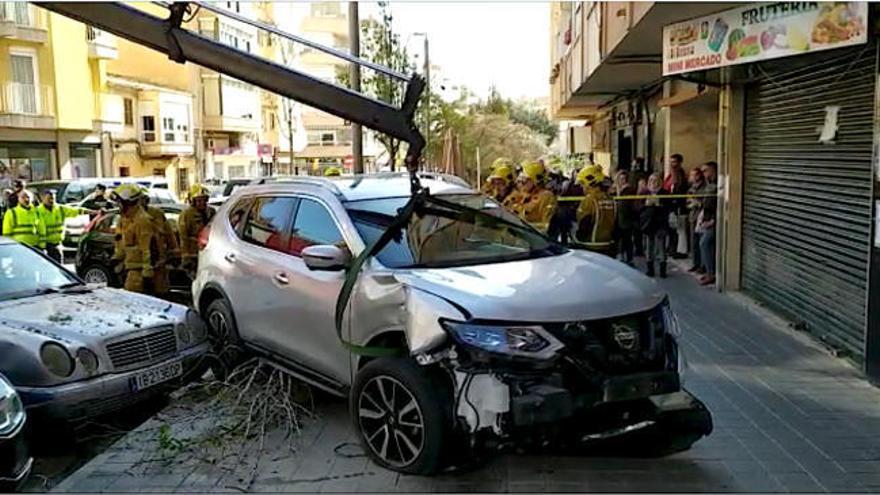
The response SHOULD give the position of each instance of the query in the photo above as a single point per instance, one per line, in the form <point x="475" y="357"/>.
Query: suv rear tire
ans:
<point x="402" y="413"/>
<point x="226" y="344"/>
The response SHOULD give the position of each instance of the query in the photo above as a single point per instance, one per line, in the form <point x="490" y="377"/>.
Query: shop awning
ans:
<point x="637" y="61"/>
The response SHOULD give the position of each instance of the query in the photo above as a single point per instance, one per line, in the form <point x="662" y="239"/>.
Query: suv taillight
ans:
<point x="204" y="234"/>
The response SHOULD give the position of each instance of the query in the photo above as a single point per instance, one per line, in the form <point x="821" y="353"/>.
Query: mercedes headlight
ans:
<point x="56" y="359"/>
<point x="193" y="331"/>
<point x="511" y="340"/>
<point x="11" y="409"/>
<point x="88" y="360"/>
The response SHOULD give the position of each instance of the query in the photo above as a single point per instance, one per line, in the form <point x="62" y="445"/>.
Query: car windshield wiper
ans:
<point x="63" y="289"/>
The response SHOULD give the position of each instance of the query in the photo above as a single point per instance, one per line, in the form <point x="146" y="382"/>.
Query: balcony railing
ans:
<point x="26" y="99"/>
<point x="22" y="14"/>
<point x="102" y="45"/>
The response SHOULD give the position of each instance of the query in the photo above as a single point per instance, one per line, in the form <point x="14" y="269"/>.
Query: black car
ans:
<point x="15" y="463"/>
<point x="95" y="251"/>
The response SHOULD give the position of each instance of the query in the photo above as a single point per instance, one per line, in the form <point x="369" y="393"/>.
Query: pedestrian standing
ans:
<point x="676" y="183"/>
<point x="694" y="205"/>
<point x="654" y="219"/>
<point x="21" y="222"/>
<point x="51" y="218"/>
<point x="627" y="217"/>
<point x="707" y="223"/>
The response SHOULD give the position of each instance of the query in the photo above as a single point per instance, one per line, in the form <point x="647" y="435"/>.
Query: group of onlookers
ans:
<point x="668" y="217"/>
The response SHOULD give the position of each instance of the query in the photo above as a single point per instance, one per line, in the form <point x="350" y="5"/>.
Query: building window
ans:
<point x="328" y="139"/>
<point x="148" y="124"/>
<point x="128" y="111"/>
<point x="168" y="129"/>
<point x="23" y="88"/>
<point x="326" y="9"/>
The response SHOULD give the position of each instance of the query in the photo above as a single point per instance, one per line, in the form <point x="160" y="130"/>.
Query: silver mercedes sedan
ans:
<point x="467" y="330"/>
<point x="74" y="351"/>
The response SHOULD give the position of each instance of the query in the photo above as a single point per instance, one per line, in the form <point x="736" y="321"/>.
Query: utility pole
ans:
<point x="354" y="35"/>
<point x="427" y="103"/>
<point x="290" y="137"/>
<point x="479" y="170"/>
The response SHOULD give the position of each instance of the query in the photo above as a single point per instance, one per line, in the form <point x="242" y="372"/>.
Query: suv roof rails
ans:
<point x="307" y="180"/>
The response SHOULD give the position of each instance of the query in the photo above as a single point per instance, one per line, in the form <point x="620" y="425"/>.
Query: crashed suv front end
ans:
<point x="574" y="383"/>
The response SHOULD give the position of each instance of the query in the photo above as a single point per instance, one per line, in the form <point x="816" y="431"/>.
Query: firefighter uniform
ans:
<point x="52" y="226"/>
<point x="535" y="206"/>
<point x="595" y="213"/>
<point x="190" y="223"/>
<point x="167" y="249"/>
<point x="23" y="225"/>
<point x="136" y="241"/>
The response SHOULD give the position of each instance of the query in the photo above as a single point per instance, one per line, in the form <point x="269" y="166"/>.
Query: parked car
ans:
<point x="74" y="227"/>
<point x="76" y="351"/>
<point x="15" y="462"/>
<point x="490" y="333"/>
<point x="74" y="191"/>
<point x="95" y="251"/>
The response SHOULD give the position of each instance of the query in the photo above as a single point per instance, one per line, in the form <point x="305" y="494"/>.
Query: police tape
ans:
<point x="642" y="196"/>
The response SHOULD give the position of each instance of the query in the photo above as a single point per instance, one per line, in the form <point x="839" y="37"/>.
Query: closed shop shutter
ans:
<point x="807" y="204"/>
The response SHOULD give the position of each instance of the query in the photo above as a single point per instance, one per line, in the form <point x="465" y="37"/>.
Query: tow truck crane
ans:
<point x="182" y="45"/>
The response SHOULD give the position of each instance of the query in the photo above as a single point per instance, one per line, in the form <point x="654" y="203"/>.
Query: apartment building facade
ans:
<point x="783" y="97"/>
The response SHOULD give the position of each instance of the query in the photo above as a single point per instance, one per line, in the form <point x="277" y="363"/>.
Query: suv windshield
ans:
<point x="438" y="237"/>
<point x="25" y="273"/>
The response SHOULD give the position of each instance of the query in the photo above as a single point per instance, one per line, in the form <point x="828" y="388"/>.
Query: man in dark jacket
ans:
<point x="627" y="223"/>
<point x="706" y="223"/>
<point x="654" y="220"/>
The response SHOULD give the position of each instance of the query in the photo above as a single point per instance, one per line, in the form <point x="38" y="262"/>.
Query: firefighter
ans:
<point x="51" y="218"/>
<point x="167" y="250"/>
<point x="595" y="213"/>
<point x="21" y="222"/>
<point x="533" y="202"/>
<point x="332" y="172"/>
<point x="191" y="222"/>
<point x="500" y="183"/>
<point x="487" y="188"/>
<point x="136" y="241"/>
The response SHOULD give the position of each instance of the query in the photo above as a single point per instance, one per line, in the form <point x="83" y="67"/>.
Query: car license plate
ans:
<point x="157" y="375"/>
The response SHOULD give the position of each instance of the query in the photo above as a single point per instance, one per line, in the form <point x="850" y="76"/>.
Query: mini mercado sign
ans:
<point x="761" y="32"/>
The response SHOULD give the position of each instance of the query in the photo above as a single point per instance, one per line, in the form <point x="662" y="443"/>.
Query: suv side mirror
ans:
<point x="326" y="257"/>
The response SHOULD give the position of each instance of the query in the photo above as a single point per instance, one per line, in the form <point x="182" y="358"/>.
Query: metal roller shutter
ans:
<point x="807" y="205"/>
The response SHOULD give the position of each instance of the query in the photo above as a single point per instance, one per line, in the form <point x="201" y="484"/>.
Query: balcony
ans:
<point x="22" y="21"/>
<point x="102" y="45"/>
<point x="230" y="105"/>
<point x="26" y="106"/>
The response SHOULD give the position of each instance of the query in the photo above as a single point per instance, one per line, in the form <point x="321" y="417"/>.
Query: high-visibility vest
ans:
<point x="23" y="225"/>
<point x="53" y="221"/>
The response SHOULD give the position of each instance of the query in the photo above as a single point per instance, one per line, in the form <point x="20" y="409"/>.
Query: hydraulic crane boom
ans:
<point x="182" y="45"/>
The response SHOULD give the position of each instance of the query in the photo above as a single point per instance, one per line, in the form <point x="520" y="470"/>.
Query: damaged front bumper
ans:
<point x="538" y="409"/>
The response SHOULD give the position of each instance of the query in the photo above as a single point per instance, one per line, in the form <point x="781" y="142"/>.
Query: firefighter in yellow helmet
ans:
<point x="332" y="172"/>
<point x="487" y="188"/>
<point x="500" y="184"/>
<point x="167" y="248"/>
<point x="532" y="201"/>
<point x="595" y="213"/>
<point x="136" y="240"/>
<point x="190" y="223"/>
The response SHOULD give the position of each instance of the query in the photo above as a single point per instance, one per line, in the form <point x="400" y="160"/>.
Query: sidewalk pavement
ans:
<point x="788" y="418"/>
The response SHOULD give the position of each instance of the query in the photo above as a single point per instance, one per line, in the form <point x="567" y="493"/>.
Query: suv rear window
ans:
<point x="268" y="221"/>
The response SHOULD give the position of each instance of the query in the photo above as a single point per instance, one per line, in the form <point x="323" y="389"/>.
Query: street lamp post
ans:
<point x="354" y="34"/>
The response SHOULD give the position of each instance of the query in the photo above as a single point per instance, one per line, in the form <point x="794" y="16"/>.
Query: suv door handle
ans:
<point x="230" y="257"/>
<point x="281" y="278"/>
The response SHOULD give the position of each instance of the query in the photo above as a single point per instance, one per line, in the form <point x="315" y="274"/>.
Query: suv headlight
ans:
<point x="57" y="359"/>
<point x="11" y="409"/>
<point x="511" y="340"/>
<point x="670" y="321"/>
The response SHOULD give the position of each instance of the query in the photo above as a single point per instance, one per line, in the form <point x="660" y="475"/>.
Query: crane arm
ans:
<point x="182" y="45"/>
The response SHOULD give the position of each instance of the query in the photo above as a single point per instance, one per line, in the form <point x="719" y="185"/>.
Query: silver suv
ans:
<point x="467" y="329"/>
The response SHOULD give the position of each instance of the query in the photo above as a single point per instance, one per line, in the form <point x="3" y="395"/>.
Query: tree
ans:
<point x="381" y="45"/>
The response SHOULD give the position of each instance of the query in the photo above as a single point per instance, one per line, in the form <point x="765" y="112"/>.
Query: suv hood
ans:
<point x="577" y="285"/>
<point x="87" y="316"/>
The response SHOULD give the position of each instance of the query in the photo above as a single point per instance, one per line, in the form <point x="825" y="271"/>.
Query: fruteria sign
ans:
<point x="762" y="31"/>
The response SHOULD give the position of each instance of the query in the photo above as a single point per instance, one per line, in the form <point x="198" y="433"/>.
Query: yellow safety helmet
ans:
<point x="332" y="172"/>
<point x="502" y="172"/>
<point x="501" y="162"/>
<point x="534" y="170"/>
<point x="128" y="192"/>
<point x="197" y="191"/>
<point x="591" y="175"/>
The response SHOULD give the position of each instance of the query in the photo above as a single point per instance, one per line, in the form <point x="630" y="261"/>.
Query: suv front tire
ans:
<point x="403" y="414"/>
